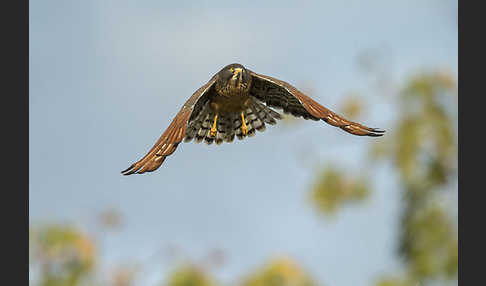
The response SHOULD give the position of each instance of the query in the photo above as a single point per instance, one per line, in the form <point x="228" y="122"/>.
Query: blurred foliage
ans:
<point x="429" y="242"/>
<point x="124" y="276"/>
<point x="111" y="219"/>
<point x="215" y="258"/>
<point x="423" y="151"/>
<point x="189" y="275"/>
<point x="279" y="272"/>
<point x="352" y="106"/>
<point x="421" y="148"/>
<point x="333" y="188"/>
<point x="64" y="255"/>
<point x="396" y="281"/>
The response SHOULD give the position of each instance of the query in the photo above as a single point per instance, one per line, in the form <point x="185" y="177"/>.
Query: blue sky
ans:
<point x="107" y="77"/>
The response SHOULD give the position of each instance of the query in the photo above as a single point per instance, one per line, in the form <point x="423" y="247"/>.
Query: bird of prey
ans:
<point x="235" y="102"/>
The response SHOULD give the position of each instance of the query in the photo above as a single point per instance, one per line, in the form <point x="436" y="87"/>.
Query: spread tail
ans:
<point x="228" y="124"/>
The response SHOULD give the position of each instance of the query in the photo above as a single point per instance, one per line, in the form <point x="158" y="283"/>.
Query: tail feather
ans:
<point x="266" y="114"/>
<point x="204" y="126"/>
<point x="237" y="123"/>
<point x="221" y="127"/>
<point x="257" y="120"/>
<point x="230" y="132"/>
<point x="194" y="128"/>
<point x="229" y="124"/>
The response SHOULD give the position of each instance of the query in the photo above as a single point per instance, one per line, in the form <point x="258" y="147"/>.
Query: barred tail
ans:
<point x="228" y="124"/>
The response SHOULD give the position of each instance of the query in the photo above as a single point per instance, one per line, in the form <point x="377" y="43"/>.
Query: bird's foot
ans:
<point x="213" y="130"/>
<point x="244" y="128"/>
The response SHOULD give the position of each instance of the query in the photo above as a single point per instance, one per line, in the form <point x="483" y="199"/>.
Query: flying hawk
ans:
<point x="235" y="102"/>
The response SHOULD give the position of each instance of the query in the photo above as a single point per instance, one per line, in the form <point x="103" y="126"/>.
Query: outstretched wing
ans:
<point x="173" y="135"/>
<point x="280" y="94"/>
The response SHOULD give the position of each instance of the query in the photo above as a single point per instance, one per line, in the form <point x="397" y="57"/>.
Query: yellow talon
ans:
<point x="213" y="130"/>
<point x="244" y="128"/>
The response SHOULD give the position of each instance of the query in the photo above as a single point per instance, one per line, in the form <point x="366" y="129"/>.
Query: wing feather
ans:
<point x="173" y="135"/>
<point x="280" y="94"/>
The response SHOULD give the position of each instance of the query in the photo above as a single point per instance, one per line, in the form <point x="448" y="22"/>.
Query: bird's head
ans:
<point x="234" y="78"/>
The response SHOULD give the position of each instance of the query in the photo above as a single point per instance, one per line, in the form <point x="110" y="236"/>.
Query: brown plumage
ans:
<point x="233" y="94"/>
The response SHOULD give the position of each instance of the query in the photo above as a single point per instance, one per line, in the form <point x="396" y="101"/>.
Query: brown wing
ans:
<point x="280" y="94"/>
<point x="173" y="135"/>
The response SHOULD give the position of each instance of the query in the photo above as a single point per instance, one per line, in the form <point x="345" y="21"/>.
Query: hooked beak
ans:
<point x="237" y="74"/>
